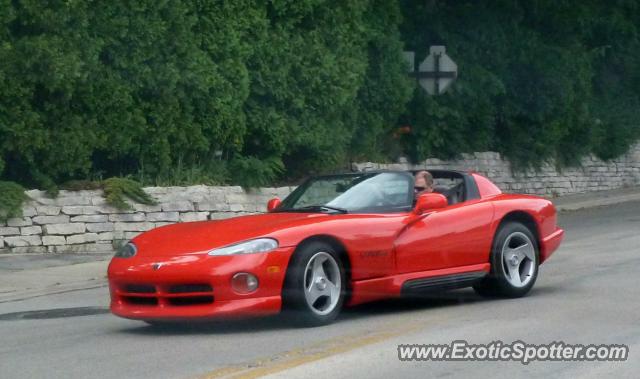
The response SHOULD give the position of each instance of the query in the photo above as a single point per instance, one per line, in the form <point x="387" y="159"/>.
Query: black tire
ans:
<point x="295" y="303"/>
<point x="498" y="283"/>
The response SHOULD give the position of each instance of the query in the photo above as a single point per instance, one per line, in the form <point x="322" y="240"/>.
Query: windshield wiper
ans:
<point x="322" y="208"/>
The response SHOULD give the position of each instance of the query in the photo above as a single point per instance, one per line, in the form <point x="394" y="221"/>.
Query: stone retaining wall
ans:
<point x="592" y="174"/>
<point x="81" y="222"/>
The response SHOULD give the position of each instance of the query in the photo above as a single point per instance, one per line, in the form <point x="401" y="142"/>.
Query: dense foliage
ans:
<point x="252" y="91"/>
<point x="537" y="79"/>
<point x="202" y="88"/>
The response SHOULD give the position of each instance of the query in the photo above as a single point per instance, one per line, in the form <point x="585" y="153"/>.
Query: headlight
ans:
<point x="128" y="250"/>
<point x="260" y="245"/>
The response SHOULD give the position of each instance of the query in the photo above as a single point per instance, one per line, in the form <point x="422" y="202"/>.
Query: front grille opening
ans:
<point x="140" y="288"/>
<point x="192" y="300"/>
<point x="187" y="288"/>
<point x="141" y="300"/>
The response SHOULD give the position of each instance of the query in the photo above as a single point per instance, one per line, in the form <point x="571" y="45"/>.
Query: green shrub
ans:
<point x="214" y="172"/>
<point x="12" y="197"/>
<point x="252" y="172"/>
<point x="116" y="190"/>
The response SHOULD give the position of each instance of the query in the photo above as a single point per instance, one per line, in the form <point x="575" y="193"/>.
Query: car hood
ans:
<point x="201" y="237"/>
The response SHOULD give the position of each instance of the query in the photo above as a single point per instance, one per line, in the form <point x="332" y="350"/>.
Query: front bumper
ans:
<point x="195" y="286"/>
<point x="550" y="244"/>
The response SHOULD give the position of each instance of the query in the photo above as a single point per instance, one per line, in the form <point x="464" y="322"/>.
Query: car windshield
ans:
<point x="353" y="193"/>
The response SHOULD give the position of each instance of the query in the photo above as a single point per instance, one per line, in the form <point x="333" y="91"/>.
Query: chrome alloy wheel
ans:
<point x="518" y="259"/>
<point x="322" y="283"/>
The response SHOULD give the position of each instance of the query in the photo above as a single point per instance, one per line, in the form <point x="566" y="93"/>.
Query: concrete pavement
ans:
<point x="25" y="276"/>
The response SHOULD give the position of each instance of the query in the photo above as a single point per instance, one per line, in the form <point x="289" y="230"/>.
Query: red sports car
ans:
<point x="338" y="240"/>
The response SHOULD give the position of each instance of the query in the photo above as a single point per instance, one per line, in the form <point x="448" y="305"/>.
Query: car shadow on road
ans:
<point x="286" y="321"/>
<point x="546" y="289"/>
<point x="413" y="303"/>
<point x="434" y="301"/>
<point x="248" y="325"/>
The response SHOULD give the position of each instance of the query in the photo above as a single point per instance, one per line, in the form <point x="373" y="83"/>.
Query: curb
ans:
<point x="599" y="202"/>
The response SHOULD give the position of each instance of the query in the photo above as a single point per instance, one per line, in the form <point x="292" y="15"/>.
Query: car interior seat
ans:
<point x="454" y="194"/>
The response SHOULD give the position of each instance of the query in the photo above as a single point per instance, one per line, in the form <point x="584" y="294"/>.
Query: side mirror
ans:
<point x="430" y="201"/>
<point x="273" y="204"/>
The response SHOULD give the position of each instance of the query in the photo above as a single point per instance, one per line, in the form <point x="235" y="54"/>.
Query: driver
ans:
<point x="423" y="183"/>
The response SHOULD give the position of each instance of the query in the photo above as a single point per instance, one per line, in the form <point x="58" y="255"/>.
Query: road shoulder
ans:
<point x="39" y="275"/>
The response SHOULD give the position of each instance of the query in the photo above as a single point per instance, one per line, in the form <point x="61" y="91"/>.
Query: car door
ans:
<point x="457" y="235"/>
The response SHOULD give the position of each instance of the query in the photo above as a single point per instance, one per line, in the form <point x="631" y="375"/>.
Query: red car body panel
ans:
<point x="457" y="236"/>
<point x="384" y="251"/>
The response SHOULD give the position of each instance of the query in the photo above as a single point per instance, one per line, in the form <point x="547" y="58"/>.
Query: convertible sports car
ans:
<point x="338" y="240"/>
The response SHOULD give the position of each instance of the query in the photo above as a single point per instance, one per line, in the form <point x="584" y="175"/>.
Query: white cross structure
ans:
<point x="437" y="71"/>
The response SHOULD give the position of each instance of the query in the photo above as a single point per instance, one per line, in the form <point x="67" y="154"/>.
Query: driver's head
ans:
<point x="423" y="182"/>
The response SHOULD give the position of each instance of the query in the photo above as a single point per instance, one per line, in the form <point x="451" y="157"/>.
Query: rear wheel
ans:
<point x="315" y="283"/>
<point x="514" y="262"/>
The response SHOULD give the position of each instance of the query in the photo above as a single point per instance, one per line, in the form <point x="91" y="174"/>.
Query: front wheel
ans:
<point x="514" y="262"/>
<point x="315" y="283"/>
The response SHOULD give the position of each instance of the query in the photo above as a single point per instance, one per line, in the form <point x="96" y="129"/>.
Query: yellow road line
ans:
<point x="298" y="357"/>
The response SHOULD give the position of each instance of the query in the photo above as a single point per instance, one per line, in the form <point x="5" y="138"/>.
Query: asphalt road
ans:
<point x="587" y="293"/>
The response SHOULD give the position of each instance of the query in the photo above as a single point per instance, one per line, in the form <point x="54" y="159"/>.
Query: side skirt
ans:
<point x="363" y="291"/>
<point x="441" y="283"/>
